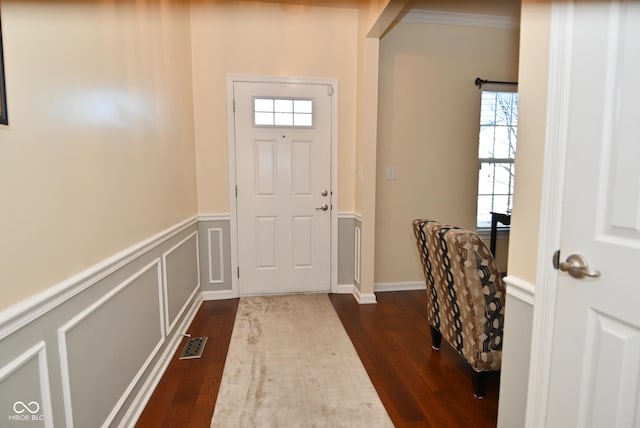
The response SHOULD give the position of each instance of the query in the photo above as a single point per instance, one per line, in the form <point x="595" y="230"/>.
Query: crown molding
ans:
<point x="458" y="18"/>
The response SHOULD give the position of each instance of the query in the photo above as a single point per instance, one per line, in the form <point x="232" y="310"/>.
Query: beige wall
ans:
<point x="534" y="63"/>
<point x="366" y="140"/>
<point x="99" y="153"/>
<point x="428" y="130"/>
<point x="276" y="40"/>
<point x="523" y="250"/>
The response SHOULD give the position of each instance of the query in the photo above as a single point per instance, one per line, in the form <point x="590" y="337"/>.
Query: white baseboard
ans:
<point x="399" y="286"/>
<point x="142" y="398"/>
<point x="217" y="295"/>
<point x="344" y="289"/>
<point x="364" y="298"/>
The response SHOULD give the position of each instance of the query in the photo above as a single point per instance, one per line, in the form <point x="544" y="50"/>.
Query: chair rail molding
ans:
<point x="350" y="215"/>
<point x="520" y="289"/>
<point x="140" y="283"/>
<point x="214" y="217"/>
<point x="24" y="312"/>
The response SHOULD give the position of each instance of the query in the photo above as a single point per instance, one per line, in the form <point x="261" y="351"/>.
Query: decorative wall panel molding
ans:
<point x="181" y="273"/>
<point x="215" y="255"/>
<point x="88" y="339"/>
<point x="356" y="257"/>
<point x="115" y="325"/>
<point x="21" y="404"/>
<point x="216" y="273"/>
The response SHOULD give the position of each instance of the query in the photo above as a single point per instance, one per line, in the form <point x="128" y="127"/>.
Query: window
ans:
<point x="284" y="112"/>
<point x="497" y="149"/>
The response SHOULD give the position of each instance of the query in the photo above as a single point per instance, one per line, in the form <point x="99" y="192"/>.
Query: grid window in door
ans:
<point x="283" y="112"/>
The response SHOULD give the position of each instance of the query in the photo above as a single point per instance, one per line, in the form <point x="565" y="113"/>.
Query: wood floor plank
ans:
<point x="396" y="333"/>
<point x="420" y="387"/>
<point x="187" y="392"/>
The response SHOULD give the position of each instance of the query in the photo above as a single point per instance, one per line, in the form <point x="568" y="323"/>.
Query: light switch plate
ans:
<point x="391" y="173"/>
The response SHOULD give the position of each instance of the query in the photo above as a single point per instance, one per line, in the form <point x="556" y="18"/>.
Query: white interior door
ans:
<point x="283" y="176"/>
<point x="595" y="364"/>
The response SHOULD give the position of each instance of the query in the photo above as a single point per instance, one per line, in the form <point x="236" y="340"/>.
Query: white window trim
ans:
<point x="503" y="231"/>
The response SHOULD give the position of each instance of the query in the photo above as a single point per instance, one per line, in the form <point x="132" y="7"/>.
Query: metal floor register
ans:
<point x="193" y="348"/>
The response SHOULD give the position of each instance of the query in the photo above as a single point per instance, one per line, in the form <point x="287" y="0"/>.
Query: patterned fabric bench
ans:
<point x="466" y="295"/>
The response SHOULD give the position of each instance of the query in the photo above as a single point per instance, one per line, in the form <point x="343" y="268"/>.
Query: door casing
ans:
<point x="231" y="148"/>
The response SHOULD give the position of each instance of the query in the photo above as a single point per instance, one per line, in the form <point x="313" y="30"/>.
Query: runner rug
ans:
<point x="291" y="364"/>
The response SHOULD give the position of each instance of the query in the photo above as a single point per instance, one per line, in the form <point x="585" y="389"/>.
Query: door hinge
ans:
<point x="236" y="191"/>
<point x="238" y="272"/>
<point x="234" y="106"/>
<point x="330" y="90"/>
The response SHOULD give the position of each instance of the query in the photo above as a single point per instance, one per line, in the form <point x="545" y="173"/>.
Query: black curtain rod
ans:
<point x="479" y="82"/>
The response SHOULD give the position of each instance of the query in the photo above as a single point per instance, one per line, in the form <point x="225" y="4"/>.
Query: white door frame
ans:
<point x="231" y="147"/>
<point x="557" y="119"/>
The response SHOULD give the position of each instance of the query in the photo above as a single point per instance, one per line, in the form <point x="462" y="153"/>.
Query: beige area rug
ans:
<point x="291" y="364"/>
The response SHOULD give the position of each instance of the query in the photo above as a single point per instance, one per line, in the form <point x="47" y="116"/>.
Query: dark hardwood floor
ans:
<point x="187" y="392"/>
<point x="419" y="387"/>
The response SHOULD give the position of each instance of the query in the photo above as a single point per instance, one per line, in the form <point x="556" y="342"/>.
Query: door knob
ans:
<point x="576" y="265"/>
<point x="325" y="192"/>
<point x="322" y="207"/>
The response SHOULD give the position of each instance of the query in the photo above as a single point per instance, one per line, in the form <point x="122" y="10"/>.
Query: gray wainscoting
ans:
<point x="349" y="226"/>
<point x="215" y="256"/>
<point x="89" y="352"/>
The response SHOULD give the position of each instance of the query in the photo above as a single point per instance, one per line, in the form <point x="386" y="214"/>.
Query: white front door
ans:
<point x="283" y="176"/>
<point x="595" y="363"/>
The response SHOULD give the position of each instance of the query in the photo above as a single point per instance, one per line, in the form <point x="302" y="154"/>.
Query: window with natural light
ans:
<point x="283" y="112"/>
<point x="497" y="149"/>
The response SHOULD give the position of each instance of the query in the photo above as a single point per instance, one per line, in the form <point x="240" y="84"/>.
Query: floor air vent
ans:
<point x="193" y="348"/>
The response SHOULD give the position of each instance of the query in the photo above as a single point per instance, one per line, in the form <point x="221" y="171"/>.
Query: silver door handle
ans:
<point x="578" y="267"/>
<point x="322" y="207"/>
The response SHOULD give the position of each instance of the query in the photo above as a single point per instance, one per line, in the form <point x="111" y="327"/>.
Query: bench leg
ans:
<point x="479" y="383"/>
<point x="436" y="338"/>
